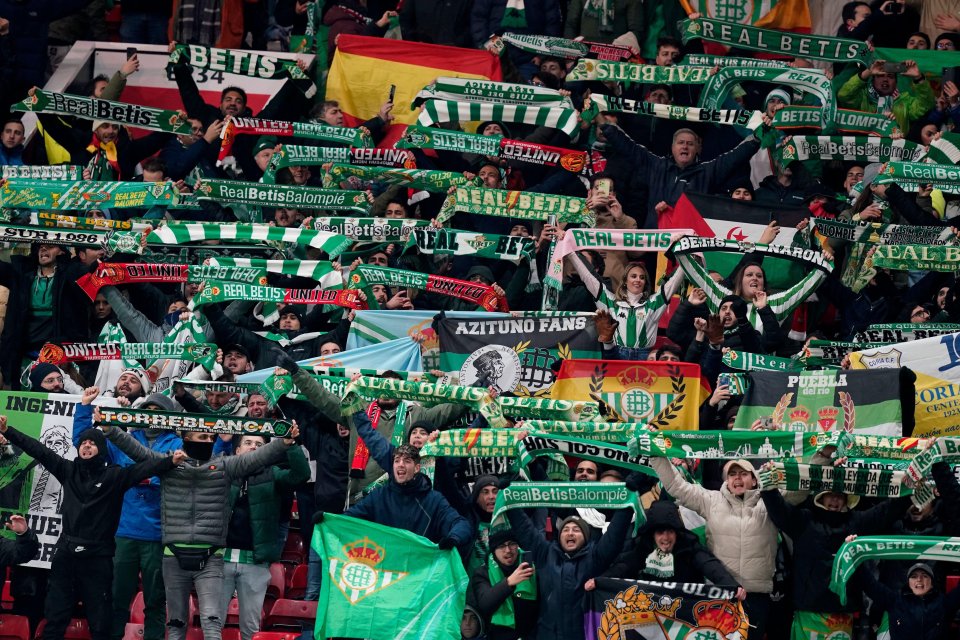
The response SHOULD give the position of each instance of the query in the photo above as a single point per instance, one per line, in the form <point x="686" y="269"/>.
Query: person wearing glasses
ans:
<point x="504" y="590"/>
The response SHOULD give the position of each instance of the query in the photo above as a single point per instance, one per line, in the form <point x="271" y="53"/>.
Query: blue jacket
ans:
<point x="416" y="507"/>
<point x="140" y="517"/>
<point x="13" y="157"/>
<point x="560" y="576"/>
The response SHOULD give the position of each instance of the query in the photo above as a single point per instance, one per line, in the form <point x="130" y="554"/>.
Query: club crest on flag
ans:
<point x="883" y="359"/>
<point x="357" y="575"/>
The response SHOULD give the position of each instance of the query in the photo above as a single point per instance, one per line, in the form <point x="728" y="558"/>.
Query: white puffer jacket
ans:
<point x="739" y="531"/>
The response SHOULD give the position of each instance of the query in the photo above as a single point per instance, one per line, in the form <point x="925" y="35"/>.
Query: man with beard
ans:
<point x="42" y="287"/>
<point x="195" y="514"/>
<point x="139" y="551"/>
<point x="132" y="385"/>
<point x="82" y="567"/>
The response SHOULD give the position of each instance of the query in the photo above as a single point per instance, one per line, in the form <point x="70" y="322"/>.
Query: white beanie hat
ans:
<point x="778" y="93"/>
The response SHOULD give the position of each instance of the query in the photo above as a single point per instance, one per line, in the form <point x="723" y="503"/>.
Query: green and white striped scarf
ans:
<point x="596" y="431"/>
<point x="582" y="495"/>
<point x="605" y="453"/>
<point x="183" y="233"/>
<point x="438" y="111"/>
<point x="911" y="257"/>
<point x="421" y="179"/>
<point x="946" y="150"/>
<point x="450" y="242"/>
<point x="370" y="229"/>
<point x="526" y="205"/>
<point x="883" y="233"/>
<point x="943" y="450"/>
<point x="607" y="71"/>
<point x="730" y="445"/>
<point x="429" y="394"/>
<point x="473" y="443"/>
<point x="417" y="137"/>
<point x="321" y="271"/>
<point x="733" y="117"/>
<point x="812" y="81"/>
<point x="795" y="476"/>
<point x="120" y="113"/>
<point x="490" y="92"/>
<point x="65" y="195"/>
<point x="112" y="333"/>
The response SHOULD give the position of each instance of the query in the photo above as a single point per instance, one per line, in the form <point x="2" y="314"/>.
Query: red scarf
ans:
<point x="362" y="454"/>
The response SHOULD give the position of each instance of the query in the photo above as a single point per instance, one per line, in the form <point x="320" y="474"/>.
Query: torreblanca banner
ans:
<point x="277" y="195"/>
<point x="207" y="423"/>
<point x="120" y="113"/>
<point x="204" y="353"/>
<point x="739" y="117"/>
<point x="582" y="495"/>
<point x="604" y="70"/>
<point x="751" y="38"/>
<point x="82" y="195"/>
<point x="609" y="240"/>
<point x="115" y="273"/>
<point x="912" y="257"/>
<point x="515" y="204"/>
<point x="536" y="445"/>
<point x="245" y="63"/>
<point x="912" y="548"/>
<point x="936" y="363"/>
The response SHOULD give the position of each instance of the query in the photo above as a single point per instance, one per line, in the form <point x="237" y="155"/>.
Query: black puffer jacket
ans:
<point x="913" y="617"/>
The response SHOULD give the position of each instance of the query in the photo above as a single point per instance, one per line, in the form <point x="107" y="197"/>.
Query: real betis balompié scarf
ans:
<point x="606" y="71"/>
<point x="207" y="423"/>
<point x="365" y="275"/>
<point x="166" y="120"/>
<point x="490" y="92"/>
<point x="605" y="453"/>
<point x="904" y="332"/>
<point x="883" y="233"/>
<point x="808" y="46"/>
<point x="217" y="291"/>
<point x="746" y="361"/>
<point x="548" y="409"/>
<point x="424" y="392"/>
<point x="282" y="195"/>
<point x="204" y="353"/>
<point x="923" y="172"/>
<point x="115" y="273"/>
<point x="473" y="443"/>
<point x="564" y="48"/>
<point x="795" y="476"/>
<point x="309" y="130"/>
<point x="609" y="240"/>
<point x="582" y="495"/>
<point x="845" y="121"/>
<point x="526" y="205"/>
<point x="942" y="450"/>
<point x="731" y="61"/>
<point x="239" y="62"/>
<point x="370" y="229"/>
<point x="450" y="242"/>
<point x="421" y="179"/>
<point x="619" y="432"/>
<point x="43" y="172"/>
<point x="911" y="257"/>
<point x="850" y="148"/>
<point x="855" y="552"/>
<point x="738" y="117"/>
<point x="436" y="111"/>
<point x="729" y="445"/>
<point x="185" y="232"/>
<point x="65" y="195"/>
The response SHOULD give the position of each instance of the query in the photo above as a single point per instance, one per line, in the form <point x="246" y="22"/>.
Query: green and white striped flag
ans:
<point x="438" y="111"/>
<point x="321" y="271"/>
<point x="489" y="92"/>
<point x="182" y="233"/>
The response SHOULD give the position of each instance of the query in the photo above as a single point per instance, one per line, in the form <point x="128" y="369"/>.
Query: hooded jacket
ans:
<point x="913" y="617"/>
<point x="93" y="491"/>
<point x="416" y="507"/>
<point x="739" y="530"/>
<point x="561" y="575"/>
<point x="140" y="516"/>
<point x="488" y="597"/>
<point x="817" y="535"/>
<point x="692" y="562"/>
<point x="193" y="503"/>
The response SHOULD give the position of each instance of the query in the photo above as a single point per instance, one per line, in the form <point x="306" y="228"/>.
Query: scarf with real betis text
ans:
<point x="365" y="275"/>
<point x="245" y="63"/>
<point x="308" y="130"/>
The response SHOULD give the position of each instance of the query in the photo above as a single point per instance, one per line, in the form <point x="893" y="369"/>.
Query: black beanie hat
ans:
<point x="500" y="536"/>
<point x="38" y="373"/>
<point x="739" y="305"/>
<point x="97" y="437"/>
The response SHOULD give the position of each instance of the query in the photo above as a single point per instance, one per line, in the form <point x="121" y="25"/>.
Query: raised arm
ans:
<point x="530" y="538"/>
<point x="692" y="496"/>
<point x="786" y="517"/>
<point x="611" y="542"/>
<point x="131" y="318"/>
<point x="297" y="471"/>
<point x="591" y="279"/>
<point x="139" y="472"/>
<point x="241" y="466"/>
<point x="23" y="548"/>
<point x="54" y="463"/>
<point x="129" y="445"/>
<point x="324" y="401"/>
<point x="380" y="448"/>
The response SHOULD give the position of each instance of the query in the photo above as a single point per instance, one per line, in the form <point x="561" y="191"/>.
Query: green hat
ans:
<point x="264" y="142"/>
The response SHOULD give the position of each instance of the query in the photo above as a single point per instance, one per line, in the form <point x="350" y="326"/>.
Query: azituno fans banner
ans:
<point x="364" y="68"/>
<point x="514" y="354"/>
<point x="825" y="400"/>
<point x="665" y="395"/>
<point x="936" y="362"/>
<point x="639" y="610"/>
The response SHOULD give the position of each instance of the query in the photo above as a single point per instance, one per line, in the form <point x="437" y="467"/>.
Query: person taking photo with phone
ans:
<point x="874" y="90"/>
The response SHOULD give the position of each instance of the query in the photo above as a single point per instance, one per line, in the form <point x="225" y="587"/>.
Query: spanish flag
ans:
<point x="666" y="395"/>
<point x="364" y="68"/>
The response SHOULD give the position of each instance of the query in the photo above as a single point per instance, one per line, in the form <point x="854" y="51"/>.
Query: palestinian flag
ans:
<point x="364" y="68"/>
<point x="723" y="217"/>
<point x="868" y="402"/>
<point x="666" y="395"/>
<point x="642" y="610"/>
<point x="514" y="354"/>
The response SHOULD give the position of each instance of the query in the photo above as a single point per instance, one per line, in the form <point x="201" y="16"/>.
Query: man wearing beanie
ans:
<point x="917" y="610"/>
<point x="133" y="384"/>
<point x="46" y="377"/>
<point x="762" y="163"/>
<point x="139" y="552"/>
<point x="504" y="589"/>
<point x="82" y="566"/>
<point x="564" y="565"/>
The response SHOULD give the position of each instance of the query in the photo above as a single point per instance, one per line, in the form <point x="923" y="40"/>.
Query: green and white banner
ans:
<point x="581" y="495"/>
<point x="82" y="195"/>
<point x="239" y="62"/>
<point x="489" y="92"/>
<point x="450" y="242"/>
<point x="812" y="81"/>
<point x="425" y="179"/>
<point x="791" y="475"/>
<point x="437" y="111"/>
<point x="913" y="257"/>
<point x="370" y="229"/>
<point x="939" y="175"/>
<point x="525" y="205"/>
<point x="619" y="432"/>
<point x="185" y="232"/>
<point x="473" y="443"/>
<point x="883" y="233"/>
<point x="606" y="71"/>
<point x="738" y="117"/>
<point x="277" y="195"/>
<point x="120" y="113"/>
<point x="417" y="137"/>
<point x="904" y="332"/>
<point x="614" y="455"/>
<point x="809" y="46"/>
<point x="729" y="445"/>
<point x="850" y="148"/>
<point x="731" y="61"/>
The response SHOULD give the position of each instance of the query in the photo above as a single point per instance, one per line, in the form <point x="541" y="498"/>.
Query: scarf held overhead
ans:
<point x="121" y="113"/>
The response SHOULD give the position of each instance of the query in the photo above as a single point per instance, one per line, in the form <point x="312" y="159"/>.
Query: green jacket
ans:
<point x="265" y="491"/>
<point x="907" y="107"/>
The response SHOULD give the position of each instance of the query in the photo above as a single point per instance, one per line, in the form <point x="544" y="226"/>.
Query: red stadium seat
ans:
<point x="76" y="630"/>
<point x="133" y="631"/>
<point x="233" y="613"/>
<point x="291" y="614"/>
<point x="230" y="633"/>
<point x="298" y="583"/>
<point x="275" y="635"/>
<point x="194" y="633"/>
<point x="136" y="609"/>
<point x="952" y="583"/>
<point x="14" y="627"/>
<point x="278" y="582"/>
<point x="294" y="551"/>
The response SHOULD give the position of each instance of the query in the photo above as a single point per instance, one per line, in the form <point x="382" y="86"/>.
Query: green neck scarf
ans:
<point x="505" y="615"/>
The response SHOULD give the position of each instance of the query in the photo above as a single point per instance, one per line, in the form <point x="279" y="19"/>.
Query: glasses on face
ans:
<point x="256" y="444"/>
<point x="512" y="546"/>
<point x="54" y="379"/>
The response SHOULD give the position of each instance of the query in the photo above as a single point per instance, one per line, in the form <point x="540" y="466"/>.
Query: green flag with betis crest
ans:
<point x="386" y="584"/>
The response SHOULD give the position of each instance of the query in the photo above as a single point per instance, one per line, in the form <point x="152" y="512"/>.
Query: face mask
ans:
<point x="198" y="450"/>
<point x="172" y="319"/>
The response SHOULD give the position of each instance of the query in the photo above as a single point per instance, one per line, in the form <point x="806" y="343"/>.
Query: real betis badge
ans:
<point x="358" y="574"/>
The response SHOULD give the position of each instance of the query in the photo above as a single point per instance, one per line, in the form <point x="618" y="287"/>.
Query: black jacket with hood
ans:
<point x="488" y="597"/>
<point x="913" y="617"/>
